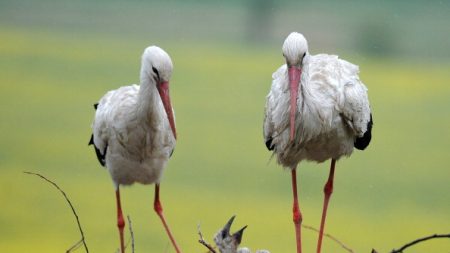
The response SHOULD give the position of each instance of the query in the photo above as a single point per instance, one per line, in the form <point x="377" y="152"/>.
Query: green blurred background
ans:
<point x="57" y="58"/>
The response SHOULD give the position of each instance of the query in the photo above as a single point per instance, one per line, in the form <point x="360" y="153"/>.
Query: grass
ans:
<point x="394" y="192"/>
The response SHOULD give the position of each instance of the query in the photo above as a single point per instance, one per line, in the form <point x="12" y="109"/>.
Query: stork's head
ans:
<point x="295" y="48"/>
<point x="157" y="66"/>
<point x="228" y="243"/>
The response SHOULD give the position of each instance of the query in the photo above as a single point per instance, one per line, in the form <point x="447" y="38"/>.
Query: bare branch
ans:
<point x="203" y="242"/>
<point x="331" y="237"/>
<point x="131" y="233"/>
<point x="75" y="246"/>
<point x="83" y="239"/>
<point x="167" y="247"/>
<point x="131" y="239"/>
<point x="420" y="240"/>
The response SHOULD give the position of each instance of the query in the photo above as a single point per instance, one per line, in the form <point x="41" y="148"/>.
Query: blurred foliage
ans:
<point x="377" y="38"/>
<point x="406" y="29"/>
<point x="57" y="58"/>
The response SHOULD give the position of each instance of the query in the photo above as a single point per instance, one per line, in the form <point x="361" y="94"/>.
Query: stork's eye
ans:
<point x="156" y="72"/>
<point x="304" y="55"/>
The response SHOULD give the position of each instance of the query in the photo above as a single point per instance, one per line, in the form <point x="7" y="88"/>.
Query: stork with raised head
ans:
<point x="317" y="109"/>
<point x="134" y="132"/>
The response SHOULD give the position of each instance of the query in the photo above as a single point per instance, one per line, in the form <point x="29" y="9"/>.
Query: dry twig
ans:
<point x="203" y="242"/>
<point x="167" y="247"/>
<point x="75" y="246"/>
<point x="420" y="240"/>
<point x="131" y="234"/>
<point x="68" y="201"/>
<point x="331" y="237"/>
<point x="131" y="239"/>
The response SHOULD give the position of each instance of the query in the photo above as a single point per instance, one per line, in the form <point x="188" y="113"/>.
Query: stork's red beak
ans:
<point x="294" y="81"/>
<point x="163" y="89"/>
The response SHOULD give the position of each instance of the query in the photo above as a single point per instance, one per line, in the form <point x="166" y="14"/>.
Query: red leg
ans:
<point x="297" y="215"/>
<point x="159" y="210"/>
<point x="120" y="221"/>
<point x="328" y="189"/>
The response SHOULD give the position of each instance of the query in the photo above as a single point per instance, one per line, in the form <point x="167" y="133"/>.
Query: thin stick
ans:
<point x="68" y="201"/>
<point x="167" y="247"/>
<point x="203" y="242"/>
<point x="131" y="239"/>
<point x="420" y="240"/>
<point x="74" y="247"/>
<point x="131" y="233"/>
<point x="331" y="237"/>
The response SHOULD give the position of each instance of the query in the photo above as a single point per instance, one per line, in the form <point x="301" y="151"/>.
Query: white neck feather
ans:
<point x="147" y="102"/>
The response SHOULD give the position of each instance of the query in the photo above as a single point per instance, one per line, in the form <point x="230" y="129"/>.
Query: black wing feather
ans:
<point x="100" y="157"/>
<point x="362" y="142"/>
<point x="269" y="144"/>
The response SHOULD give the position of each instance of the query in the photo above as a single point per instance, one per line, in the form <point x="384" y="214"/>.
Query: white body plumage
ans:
<point x="332" y="110"/>
<point x="131" y="129"/>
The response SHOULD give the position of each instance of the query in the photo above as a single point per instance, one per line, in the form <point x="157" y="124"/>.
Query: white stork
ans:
<point x="317" y="109"/>
<point x="134" y="131"/>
